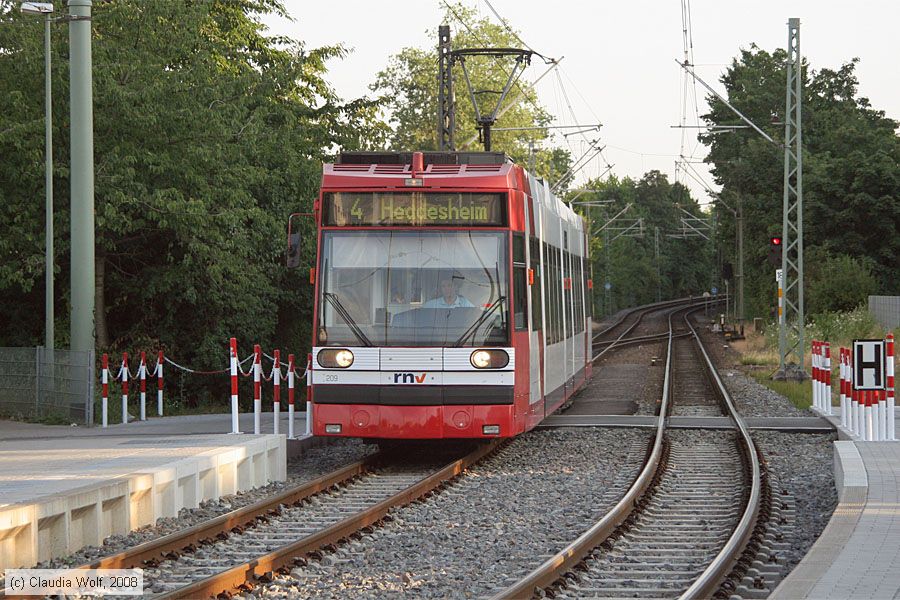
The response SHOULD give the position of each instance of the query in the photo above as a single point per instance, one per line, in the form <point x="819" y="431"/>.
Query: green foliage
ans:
<point x="836" y="282"/>
<point x="837" y="327"/>
<point x="851" y="176"/>
<point x="629" y="264"/>
<point x="208" y="134"/>
<point x="408" y="86"/>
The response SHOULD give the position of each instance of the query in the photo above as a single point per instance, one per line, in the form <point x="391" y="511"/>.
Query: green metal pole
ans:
<point x="82" y="175"/>
<point x="48" y="186"/>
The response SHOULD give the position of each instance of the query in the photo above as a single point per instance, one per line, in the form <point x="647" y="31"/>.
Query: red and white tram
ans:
<point x="452" y="298"/>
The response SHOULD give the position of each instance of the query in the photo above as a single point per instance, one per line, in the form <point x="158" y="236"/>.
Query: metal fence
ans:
<point x="886" y="310"/>
<point x="41" y="384"/>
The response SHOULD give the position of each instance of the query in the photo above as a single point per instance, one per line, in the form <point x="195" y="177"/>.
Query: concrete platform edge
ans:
<point x="60" y="524"/>
<point x="852" y="486"/>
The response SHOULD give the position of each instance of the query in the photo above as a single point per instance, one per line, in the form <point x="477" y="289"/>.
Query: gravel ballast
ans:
<point x="802" y="466"/>
<point x="498" y="521"/>
<point x="753" y="399"/>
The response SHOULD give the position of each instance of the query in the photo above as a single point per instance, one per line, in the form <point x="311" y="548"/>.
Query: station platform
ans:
<point x="858" y="553"/>
<point x="62" y="488"/>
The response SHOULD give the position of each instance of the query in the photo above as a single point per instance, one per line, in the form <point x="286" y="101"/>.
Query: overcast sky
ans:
<point x="619" y="57"/>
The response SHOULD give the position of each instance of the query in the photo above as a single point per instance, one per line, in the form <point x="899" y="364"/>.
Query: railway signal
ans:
<point x="775" y="248"/>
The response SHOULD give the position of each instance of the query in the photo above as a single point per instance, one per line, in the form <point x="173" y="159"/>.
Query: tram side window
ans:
<point x="578" y="284"/>
<point x="536" y="317"/>
<point x="566" y="296"/>
<point x="589" y="293"/>
<point x="560" y="332"/>
<point x="551" y="293"/>
<point x="548" y="297"/>
<point x="520" y="286"/>
<point x="556" y="287"/>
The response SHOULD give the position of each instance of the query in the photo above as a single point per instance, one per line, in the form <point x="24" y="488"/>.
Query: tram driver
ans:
<point x="449" y="295"/>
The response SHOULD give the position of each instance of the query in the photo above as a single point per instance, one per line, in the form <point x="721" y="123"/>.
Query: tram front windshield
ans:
<point x="413" y="288"/>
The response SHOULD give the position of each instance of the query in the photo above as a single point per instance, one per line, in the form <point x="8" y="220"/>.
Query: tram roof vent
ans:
<point x="430" y="158"/>
<point x="390" y="169"/>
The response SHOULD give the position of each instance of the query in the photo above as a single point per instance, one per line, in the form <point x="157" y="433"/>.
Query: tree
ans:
<point x="630" y="264"/>
<point x="208" y="134"/>
<point x="408" y="86"/>
<point x="851" y="169"/>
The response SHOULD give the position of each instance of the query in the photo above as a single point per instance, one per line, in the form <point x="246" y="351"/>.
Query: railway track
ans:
<point x="237" y="550"/>
<point x="633" y="322"/>
<point x="685" y="522"/>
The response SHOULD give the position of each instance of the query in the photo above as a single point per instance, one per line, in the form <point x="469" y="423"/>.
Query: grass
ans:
<point x="798" y="392"/>
<point x="759" y="358"/>
<point x="50" y="418"/>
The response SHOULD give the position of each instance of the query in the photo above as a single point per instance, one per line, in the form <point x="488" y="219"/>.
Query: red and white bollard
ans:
<point x="889" y="385"/>
<point x="257" y="389"/>
<point x="142" y="373"/>
<point x="842" y="374"/>
<point x="870" y="416"/>
<point x="159" y="383"/>
<point x="309" y="406"/>
<point x="860" y="413"/>
<point x="826" y="379"/>
<point x="235" y="426"/>
<point x="814" y="359"/>
<point x="276" y="382"/>
<point x="125" y="388"/>
<point x="290" y="379"/>
<point x="104" y="379"/>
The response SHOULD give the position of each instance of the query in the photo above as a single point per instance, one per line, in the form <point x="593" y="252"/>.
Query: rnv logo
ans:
<point x="409" y="378"/>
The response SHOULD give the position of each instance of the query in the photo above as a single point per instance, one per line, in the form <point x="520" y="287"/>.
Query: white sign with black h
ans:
<point x="868" y="364"/>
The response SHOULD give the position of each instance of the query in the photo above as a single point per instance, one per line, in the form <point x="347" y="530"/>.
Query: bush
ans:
<point x="836" y="282"/>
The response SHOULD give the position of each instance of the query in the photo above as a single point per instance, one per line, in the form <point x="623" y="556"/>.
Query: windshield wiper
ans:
<point x="339" y="309"/>
<point x="474" y="327"/>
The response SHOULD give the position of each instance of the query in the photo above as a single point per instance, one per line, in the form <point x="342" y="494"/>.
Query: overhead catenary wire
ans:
<point x="483" y="42"/>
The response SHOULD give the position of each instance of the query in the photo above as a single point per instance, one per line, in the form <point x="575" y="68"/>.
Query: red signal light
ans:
<point x="775" y="241"/>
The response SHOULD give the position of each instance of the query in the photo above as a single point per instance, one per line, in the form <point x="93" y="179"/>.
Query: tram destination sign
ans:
<point x="389" y="209"/>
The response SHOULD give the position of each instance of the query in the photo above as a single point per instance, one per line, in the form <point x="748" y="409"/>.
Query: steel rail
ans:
<point x="711" y="579"/>
<point x="566" y="559"/>
<point x="238" y="577"/>
<point x="656" y="337"/>
<point x="645" y="307"/>
<point x="156" y="550"/>
<point x="645" y="310"/>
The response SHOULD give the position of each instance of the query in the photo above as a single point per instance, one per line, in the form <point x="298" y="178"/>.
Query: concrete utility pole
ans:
<point x="658" y="278"/>
<point x="82" y="175"/>
<point x="791" y="326"/>
<point x="48" y="191"/>
<point x="739" y="271"/>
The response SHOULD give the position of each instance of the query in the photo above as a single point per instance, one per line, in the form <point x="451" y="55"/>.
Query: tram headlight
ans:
<point x="489" y="359"/>
<point x="335" y="358"/>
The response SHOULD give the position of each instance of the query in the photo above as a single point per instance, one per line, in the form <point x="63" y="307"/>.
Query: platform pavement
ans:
<point x="858" y="553"/>
<point x="178" y="425"/>
<point x="65" y="487"/>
